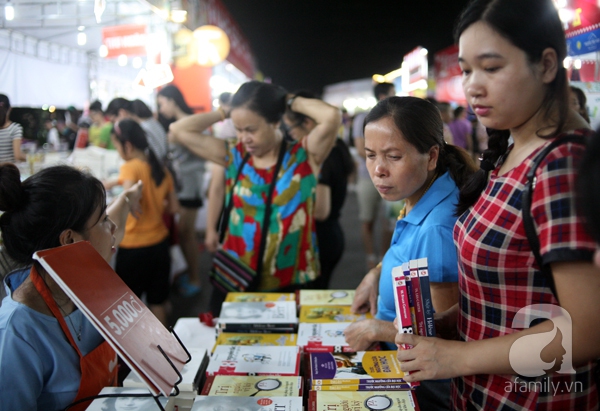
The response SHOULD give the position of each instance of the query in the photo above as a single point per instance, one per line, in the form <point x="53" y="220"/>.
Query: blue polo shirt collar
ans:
<point x="439" y="190"/>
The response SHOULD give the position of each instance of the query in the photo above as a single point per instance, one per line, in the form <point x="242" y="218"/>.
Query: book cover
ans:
<point x="417" y="297"/>
<point x="329" y="314"/>
<point x="258" y="297"/>
<point x="192" y="373"/>
<point x="401" y="300"/>
<point x="128" y="403"/>
<point x="325" y="297"/>
<point x="244" y="360"/>
<point x="118" y="314"/>
<point x="409" y="293"/>
<point x="194" y="334"/>
<point x="206" y="403"/>
<point x="253" y="386"/>
<point x="362" y="387"/>
<point x="323" y="337"/>
<point x="360" y="381"/>
<point x="361" y="400"/>
<point x="426" y="294"/>
<point x="269" y="314"/>
<point x="250" y="329"/>
<point x="352" y="368"/>
<point x="278" y="340"/>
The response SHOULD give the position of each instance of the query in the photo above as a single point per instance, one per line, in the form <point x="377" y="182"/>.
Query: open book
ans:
<point x="116" y="312"/>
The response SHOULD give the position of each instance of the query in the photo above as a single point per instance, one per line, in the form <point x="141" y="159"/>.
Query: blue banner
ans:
<point x="584" y="43"/>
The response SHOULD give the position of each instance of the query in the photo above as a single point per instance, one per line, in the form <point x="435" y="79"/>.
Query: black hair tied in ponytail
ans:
<point x="470" y="192"/>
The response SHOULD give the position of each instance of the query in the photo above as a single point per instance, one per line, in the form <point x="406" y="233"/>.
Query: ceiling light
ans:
<point x="81" y="38"/>
<point x="122" y="60"/>
<point x="178" y="16"/>
<point x="9" y="11"/>
<point x="137" y="62"/>
<point x="103" y="51"/>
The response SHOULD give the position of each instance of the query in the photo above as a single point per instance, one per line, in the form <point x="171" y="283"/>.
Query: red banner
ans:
<point x="130" y="40"/>
<point x="240" y="54"/>
<point x="448" y="76"/>
<point x="586" y="17"/>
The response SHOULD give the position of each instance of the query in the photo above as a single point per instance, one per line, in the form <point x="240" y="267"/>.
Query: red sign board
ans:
<point x="130" y="40"/>
<point x="448" y="76"/>
<point x="586" y="17"/>
<point x="240" y="54"/>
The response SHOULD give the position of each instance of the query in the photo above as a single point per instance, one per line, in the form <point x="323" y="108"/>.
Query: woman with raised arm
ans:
<point x="290" y="257"/>
<point x="42" y="360"/>
<point x="515" y="81"/>
<point x="330" y="195"/>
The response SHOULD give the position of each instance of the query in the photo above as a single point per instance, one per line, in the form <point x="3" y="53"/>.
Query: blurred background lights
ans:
<point x="122" y="60"/>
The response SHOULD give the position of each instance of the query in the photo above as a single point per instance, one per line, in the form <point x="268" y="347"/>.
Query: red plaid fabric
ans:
<point x="498" y="275"/>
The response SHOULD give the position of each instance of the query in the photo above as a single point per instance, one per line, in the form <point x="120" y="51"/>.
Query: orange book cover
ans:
<point x="116" y="312"/>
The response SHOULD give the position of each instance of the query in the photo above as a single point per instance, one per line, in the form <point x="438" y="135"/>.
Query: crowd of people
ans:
<point x="459" y="177"/>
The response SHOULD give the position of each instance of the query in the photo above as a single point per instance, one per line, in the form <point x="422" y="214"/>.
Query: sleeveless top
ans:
<point x="291" y="255"/>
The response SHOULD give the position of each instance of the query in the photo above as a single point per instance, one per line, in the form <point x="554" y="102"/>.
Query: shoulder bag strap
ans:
<point x="528" y="222"/>
<point x="224" y="222"/>
<point x="267" y="218"/>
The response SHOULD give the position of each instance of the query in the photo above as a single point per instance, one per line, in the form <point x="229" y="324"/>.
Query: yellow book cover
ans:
<point x="329" y="314"/>
<point x="258" y="297"/>
<point x="362" y="367"/>
<point x="251" y="386"/>
<point x="362" y="387"/>
<point x="361" y="400"/>
<point x="326" y="297"/>
<point x="256" y="339"/>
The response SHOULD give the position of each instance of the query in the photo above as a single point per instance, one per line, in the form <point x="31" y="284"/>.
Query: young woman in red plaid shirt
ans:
<point x="511" y="54"/>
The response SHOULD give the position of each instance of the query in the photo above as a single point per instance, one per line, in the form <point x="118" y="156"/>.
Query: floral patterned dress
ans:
<point x="291" y="255"/>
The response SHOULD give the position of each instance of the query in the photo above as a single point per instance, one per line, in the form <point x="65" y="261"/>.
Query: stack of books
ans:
<point x="324" y="315"/>
<point x="362" y="380"/>
<point x="258" y="317"/>
<point x="252" y="360"/>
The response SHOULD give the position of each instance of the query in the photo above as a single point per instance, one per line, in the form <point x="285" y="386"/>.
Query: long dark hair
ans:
<point x="588" y="194"/>
<point x="173" y="93"/>
<point x="39" y="209"/>
<point x="267" y="100"/>
<point x="4" y="108"/>
<point x="421" y="125"/>
<point x="128" y="130"/>
<point x="533" y="28"/>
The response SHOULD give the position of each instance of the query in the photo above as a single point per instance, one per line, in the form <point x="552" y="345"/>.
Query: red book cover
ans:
<point x="401" y="300"/>
<point x="116" y="312"/>
<point x="418" y="298"/>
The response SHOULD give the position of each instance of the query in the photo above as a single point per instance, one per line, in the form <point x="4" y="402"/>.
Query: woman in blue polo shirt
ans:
<point x="408" y="159"/>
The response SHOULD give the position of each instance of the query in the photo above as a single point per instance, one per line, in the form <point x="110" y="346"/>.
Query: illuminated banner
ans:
<point x="585" y="17"/>
<point x="584" y="43"/>
<point x="239" y="53"/>
<point x="416" y="62"/>
<point x="448" y="76"/>
<point x="130" y="40"/>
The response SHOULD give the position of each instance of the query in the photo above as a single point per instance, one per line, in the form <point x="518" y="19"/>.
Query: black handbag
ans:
<point x="228" y="273"/>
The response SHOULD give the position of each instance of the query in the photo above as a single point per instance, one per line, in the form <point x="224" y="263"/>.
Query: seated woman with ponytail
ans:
<point x="143" y="260"/>
<point x="408" y="159"/>
<point x="40" y="367"/>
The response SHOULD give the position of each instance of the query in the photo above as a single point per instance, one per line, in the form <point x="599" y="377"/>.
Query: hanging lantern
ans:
<point x="212" y="45"/>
